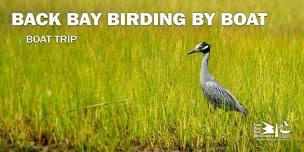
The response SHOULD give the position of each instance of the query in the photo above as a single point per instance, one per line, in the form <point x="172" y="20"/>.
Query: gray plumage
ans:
<point x="214" y="91"/>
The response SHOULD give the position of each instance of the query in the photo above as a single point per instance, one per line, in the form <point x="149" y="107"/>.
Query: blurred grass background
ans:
<point x="262" y="66"/>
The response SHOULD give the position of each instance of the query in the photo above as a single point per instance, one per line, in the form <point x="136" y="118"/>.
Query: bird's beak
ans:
<point x="192" y="51"/>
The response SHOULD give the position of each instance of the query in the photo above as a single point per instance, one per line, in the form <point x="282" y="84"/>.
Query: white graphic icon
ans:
<point x="268" y="129"/>
<point x="272" y="131"/>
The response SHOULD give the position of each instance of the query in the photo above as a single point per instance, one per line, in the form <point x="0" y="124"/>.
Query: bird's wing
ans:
<point x="220" y="96"/>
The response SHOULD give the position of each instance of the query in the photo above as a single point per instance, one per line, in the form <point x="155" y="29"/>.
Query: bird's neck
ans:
<point x="205" y="73"/>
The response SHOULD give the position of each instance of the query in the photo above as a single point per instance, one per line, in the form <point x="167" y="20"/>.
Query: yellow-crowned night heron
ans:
<point x="214" y="91"/>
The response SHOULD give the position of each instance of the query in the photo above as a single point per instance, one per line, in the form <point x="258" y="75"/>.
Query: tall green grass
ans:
<point x="262" y="66"/>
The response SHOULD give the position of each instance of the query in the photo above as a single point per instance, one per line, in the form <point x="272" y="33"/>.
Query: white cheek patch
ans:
<point x="205" y="47"/>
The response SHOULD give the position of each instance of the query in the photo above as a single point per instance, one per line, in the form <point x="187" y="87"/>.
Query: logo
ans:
<point x="267" y="131"/>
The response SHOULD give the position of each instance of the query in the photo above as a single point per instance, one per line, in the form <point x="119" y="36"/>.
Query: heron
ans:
<point x="213" y="91"/>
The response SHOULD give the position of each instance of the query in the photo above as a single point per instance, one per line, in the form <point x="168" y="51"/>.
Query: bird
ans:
<point x="215" y="93"/>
